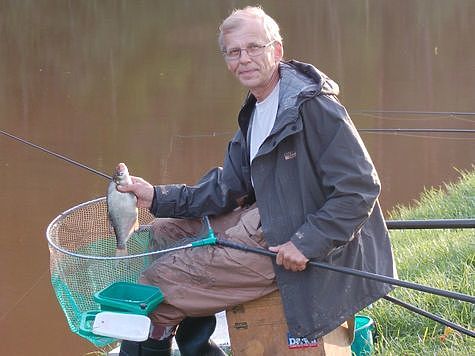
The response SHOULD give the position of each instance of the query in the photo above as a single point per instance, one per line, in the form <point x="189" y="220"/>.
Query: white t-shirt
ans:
<point x="263" y="119"/>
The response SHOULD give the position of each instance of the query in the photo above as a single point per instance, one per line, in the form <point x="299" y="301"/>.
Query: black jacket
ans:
<point x="314" y="184"/>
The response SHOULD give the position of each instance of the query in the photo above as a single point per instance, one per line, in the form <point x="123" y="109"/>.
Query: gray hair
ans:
<point x="238" y="16"/>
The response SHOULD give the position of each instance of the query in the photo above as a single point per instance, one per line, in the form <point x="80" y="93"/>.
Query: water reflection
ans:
<point x="143" y="82"/>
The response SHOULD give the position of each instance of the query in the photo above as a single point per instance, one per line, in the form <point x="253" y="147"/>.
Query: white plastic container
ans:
<point x="122" y="326"/>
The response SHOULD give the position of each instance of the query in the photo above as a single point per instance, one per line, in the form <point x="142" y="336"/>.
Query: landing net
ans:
<point x="81" y="243"/>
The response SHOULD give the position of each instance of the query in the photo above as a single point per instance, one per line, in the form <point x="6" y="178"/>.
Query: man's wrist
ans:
<point x="154" y="205"/>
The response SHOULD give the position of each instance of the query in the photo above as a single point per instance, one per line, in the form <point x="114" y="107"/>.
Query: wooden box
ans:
<point x="258" y="328"/>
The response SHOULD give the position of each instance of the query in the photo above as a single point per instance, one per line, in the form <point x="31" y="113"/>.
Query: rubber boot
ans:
<point x="193" y="337"/>
<point x="150" y="347"/>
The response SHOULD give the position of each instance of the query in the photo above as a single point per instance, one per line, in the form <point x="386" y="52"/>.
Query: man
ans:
<point x="297" y="178"/>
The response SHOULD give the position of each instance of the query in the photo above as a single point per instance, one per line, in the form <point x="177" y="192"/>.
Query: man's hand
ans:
<point x="290" y="257"/>
<point x="142" y="189"/>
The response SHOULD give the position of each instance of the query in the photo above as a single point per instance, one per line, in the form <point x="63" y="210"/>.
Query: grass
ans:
<point x="439" y="258"/>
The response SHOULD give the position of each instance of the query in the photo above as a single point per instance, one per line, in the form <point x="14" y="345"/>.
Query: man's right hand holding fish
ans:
<point x="142" y="189"/>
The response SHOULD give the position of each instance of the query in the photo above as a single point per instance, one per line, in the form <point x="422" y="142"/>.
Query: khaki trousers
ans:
<point x="205" y="280"/>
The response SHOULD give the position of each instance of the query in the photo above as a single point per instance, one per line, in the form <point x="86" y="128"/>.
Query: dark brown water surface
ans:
<point x="142" y="82"/>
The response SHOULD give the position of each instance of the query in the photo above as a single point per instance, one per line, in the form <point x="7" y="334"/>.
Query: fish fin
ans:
<point x="111" y="225"/>
<point x="121" y="252"/>
<point x="114" y="230"/>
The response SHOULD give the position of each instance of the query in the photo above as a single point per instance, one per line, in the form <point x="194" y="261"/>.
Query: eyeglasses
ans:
<point x="252" y="50"/>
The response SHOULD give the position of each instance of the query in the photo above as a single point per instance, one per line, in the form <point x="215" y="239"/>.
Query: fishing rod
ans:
<point x="431" y="316"/>
<point x="414" y="112"/>
<point x="358" y="273"/>
<point x="431" y="224"/>
<point x="64" y="158"/>
<point x="212" y="239"/>
<point x="396" y="130"/>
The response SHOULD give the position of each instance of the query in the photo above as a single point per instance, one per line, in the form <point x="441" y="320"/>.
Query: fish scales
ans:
<point x="122" y="209"/>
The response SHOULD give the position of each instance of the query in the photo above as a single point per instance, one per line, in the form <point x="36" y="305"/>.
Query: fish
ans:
<point x="122" y="209"/>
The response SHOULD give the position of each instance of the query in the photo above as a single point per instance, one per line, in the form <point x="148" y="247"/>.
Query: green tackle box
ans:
<point x="129" y="297"/>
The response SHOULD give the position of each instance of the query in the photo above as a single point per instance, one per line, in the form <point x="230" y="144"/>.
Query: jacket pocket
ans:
<point x="251" y="222"/>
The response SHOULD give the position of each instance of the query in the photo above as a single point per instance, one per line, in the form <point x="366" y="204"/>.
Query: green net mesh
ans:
<point x="80" y="240"/>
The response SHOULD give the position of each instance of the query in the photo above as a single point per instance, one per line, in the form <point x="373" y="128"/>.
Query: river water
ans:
<point x="143" y="82"/>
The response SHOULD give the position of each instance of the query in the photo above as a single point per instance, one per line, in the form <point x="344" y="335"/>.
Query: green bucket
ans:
<point x="363" y="342"/>
<point x="129" y="297"/>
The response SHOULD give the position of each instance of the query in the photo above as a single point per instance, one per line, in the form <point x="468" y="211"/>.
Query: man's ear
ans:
<point x="278" y="51"/>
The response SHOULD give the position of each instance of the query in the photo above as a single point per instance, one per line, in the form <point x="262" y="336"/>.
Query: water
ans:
<point x="143" y="83"/>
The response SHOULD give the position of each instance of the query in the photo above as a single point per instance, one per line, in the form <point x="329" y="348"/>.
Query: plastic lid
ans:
<point x="122" y="326"/>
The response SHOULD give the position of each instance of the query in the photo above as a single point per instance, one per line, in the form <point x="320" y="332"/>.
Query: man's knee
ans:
<point x="163" y="227"/>
<point x="169" y="230"/>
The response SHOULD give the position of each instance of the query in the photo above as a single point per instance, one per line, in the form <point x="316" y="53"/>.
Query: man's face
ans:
<point x="254" y="73"/>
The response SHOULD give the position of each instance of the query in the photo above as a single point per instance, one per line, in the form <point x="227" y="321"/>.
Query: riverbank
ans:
<point x="439" y="258"/>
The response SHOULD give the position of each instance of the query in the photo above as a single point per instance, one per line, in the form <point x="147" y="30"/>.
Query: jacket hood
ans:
<point x="298" y="82"/>
<point x="302" y="80"/>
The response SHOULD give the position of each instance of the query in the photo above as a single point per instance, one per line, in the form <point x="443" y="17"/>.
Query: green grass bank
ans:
<point x="441" y="258"/>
